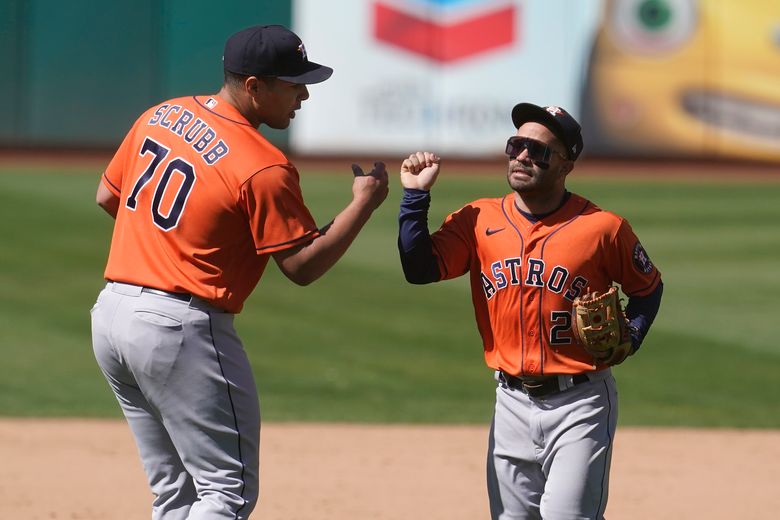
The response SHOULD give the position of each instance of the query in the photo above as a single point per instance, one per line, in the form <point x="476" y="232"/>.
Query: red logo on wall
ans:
<point x="484" y="31"/>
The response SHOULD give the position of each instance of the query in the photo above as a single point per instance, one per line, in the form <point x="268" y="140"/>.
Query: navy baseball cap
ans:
<point x="272" y="51"/>
<point x="560" y="123"/>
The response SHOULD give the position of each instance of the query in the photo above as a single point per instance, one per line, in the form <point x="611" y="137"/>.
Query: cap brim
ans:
<point x="314" y="73"/>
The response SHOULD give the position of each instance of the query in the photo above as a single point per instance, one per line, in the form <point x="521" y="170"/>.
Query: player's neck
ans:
<point x="535" y="203"/>
<point x="227" y="95"/>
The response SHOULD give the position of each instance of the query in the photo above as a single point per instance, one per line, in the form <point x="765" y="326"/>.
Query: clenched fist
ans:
<point x="419" y="171"/>
<point x="372" y="186"/>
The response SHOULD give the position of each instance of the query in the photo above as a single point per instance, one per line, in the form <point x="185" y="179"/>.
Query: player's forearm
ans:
<point x="641" y="311"/>
<point x="414" y="241"/>
<point x="313" y="260"/>
<point x="107" y="200"/>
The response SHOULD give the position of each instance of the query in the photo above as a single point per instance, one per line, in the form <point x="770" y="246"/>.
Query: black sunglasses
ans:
<point x="538" y="152"/>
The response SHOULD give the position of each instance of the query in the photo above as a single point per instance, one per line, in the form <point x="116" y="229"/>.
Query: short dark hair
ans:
<point x="234" y="80"/>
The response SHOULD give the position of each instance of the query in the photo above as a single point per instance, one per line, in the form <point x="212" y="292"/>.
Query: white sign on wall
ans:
<point x="440" y="75"/>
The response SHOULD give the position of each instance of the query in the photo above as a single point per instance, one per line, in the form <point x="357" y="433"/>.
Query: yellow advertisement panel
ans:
<point x="685" y="78"/>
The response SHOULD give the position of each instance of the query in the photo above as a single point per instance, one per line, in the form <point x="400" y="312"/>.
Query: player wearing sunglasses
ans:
<point x="538" y="152"/>
<point x="529" y="255"/>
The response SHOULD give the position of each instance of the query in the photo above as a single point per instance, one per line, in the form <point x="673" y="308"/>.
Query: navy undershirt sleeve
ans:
<point x="641" y="311"/>
<point x="414" y="239"/>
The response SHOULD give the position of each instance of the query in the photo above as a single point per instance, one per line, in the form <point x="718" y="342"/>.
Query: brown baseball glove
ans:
<point x="601" y="327"/>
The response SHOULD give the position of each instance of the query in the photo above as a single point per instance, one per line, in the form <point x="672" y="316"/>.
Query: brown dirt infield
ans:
<point x="88" y="469"/>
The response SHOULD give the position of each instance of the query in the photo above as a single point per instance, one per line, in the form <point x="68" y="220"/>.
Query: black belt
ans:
<point x="539" y="386"/>
<point x="183" y="297"/>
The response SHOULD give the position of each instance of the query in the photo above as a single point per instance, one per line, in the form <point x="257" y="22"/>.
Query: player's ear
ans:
<point x="251" y="85"/>
<point x="256" y="86"/>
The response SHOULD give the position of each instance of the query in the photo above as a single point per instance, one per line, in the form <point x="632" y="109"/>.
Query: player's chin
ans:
<point x="522" y="186"/>
<point x="280" y="124"/>
<point x="519" y="178"/>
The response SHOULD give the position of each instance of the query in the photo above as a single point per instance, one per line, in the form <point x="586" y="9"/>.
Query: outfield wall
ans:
<point x="648" y="78"/>
<point x="79" y="72"/>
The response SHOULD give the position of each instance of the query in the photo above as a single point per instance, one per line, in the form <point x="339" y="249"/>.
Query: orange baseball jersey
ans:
<point x="204" y="200"/>
<point x="525" y="276"/>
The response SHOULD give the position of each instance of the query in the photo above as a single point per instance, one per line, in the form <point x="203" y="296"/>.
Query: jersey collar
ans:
<point x="534" y="218"/>
<point x="221" y="108"/>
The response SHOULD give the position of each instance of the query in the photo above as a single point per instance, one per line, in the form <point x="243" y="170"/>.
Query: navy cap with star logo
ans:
<point x="272" y="51"/>
<point x="559" y="121"/>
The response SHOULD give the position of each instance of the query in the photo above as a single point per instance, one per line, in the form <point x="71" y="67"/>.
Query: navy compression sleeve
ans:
<point x="641" y="311"/>
<point x="414" y="239"/>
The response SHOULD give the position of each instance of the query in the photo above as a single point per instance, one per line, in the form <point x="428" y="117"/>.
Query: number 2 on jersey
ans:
<point x="561" y="322"/>
<point x="185" y="169"/>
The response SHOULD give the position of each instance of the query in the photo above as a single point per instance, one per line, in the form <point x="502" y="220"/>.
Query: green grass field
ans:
<point x="362" y="345"/>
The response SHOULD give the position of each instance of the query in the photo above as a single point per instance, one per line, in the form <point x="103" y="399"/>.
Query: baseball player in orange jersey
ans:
<point x="529" y="254"/>
<point x="202" y="201"/>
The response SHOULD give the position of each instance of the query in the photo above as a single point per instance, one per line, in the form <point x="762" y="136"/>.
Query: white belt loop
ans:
<point x="124" y="288"/>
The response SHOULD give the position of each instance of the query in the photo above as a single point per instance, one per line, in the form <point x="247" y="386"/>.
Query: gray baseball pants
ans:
<point x="549" y="458"/>
<point x="184" y="383"/>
